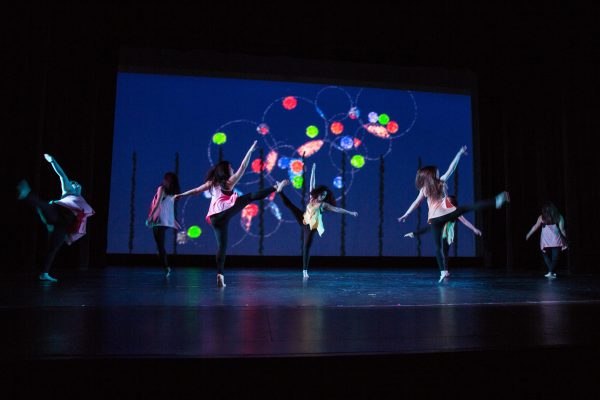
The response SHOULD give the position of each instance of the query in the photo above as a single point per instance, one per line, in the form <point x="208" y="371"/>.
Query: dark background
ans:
<point x="537" y="78"/>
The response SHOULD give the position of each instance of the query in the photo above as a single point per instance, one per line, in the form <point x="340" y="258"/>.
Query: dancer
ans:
<point x="225" y="203"/>
<point x="433" y="187"/>
<point x="321" y="199"/>
<point x="553" y="238"/>
<point x="65" y="219"/>
<point x="448" y="232"/>
<point x="162" y="215"/>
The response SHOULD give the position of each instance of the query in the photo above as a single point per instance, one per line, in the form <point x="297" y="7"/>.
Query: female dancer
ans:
<point x="225" y="203"/>
<point x="553" y="238"/>
<point x="162" y="215"/>
<point x="321" y="199"/>
<point x="65" y="219"/>
<point x="447" y="233"/>
<point x="433" y="187"/>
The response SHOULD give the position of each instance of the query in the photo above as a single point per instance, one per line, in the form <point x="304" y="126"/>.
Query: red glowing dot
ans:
<point x="357" y="142"/>
<point x="272" y="196"/>
<point x="290" y="102"/>
<point x="257" y="165"/>
<point x="251" y="210"/>
<point x="296" y="166"/>
<point x="392" y="127"/>
<point x="337" y="128"/>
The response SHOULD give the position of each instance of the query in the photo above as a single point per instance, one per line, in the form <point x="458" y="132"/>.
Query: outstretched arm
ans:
<point x="192" y="192"/>
<point x="412" y="207"/>
<point x="312" y="178"/>
<point x="469" y="225"/>
<point x="65" y="183"/>
<point x="454" y="164"/>
<point x="329" y="207"/>
<point x="240" y="172"/>
<point x="534" y="228"/>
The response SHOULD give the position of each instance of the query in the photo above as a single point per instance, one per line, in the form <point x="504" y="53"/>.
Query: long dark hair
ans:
<point x="316" y="192"/>
<point x="219" y="174"/>
<point x="427" y="178"/>
<point x="170" y="184"/>
<point x="550" y="213"/>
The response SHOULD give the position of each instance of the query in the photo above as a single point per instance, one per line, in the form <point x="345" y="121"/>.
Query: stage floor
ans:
<point x="134" y="312"/>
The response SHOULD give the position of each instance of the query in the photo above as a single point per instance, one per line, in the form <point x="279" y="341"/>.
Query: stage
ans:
<point x="346" y="319"/>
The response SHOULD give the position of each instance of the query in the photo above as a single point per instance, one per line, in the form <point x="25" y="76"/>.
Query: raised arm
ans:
<point x="339" y="210"/>
<point x="469" y="225"/>
<point x="192" y="192"/>
<point x="412" y="207"/>
<point x="534" y="228"/>
<point x="65" y="183"/>
<point x="240" y="172"/>
<point x="454" y="164"/>
<point x="312" y="178"/>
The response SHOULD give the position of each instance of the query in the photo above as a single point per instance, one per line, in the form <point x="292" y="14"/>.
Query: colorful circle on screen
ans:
<point x="354" y="113"/>
<point x="194" y="232"/>
<point x="296" y="166"/>
<point x="347" y="143"/>
<point x="312" y="131"/>
<point x="251" y="210"/>
<point x="289" y="103"/>
<point x="337" y="182"/>
<point x="337" y="128"/>
<point x="219" y="138"/>
<point x="297" y="181"/>
<point x="257" y="165"/>
<point x="263" y="129"/>
<point x="357" y="161"/>
<point x="373" y="117"/>
<point x="283" y="163"/>
<point x="357" y="142"/>
<point x="384" y="119"/>
<point x="392" y="127"/>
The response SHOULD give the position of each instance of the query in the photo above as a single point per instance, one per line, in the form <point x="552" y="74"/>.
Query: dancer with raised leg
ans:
<point x="225" y="203"/>
<point x="162" y="215"/>
<point x="441" y="211"/>
<point x="448" y="232"/>
<point x="311" y="220"/>
<point x="553" y="238"/>
<point x="65" y="219"/>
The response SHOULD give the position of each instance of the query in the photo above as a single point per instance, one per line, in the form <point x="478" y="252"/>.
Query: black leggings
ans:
<point x="220" y="222"/>
<point x="159" y="237"/>
<point x="551" y="259"/>
<point x="307" y="233"/>
<point x="437" y="226"/>
<point x="60" y="218"/>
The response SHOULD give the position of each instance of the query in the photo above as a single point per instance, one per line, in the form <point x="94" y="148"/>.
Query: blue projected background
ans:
<point x="163" y="118"/>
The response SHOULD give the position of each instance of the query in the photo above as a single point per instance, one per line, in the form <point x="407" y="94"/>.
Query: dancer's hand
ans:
<point x="410" y="235"/>
<point x="463" y="150"/>
<point x="353" y="213"/>
<point x="253" y="147"/>
<point x="477" y="232"/>
<point x="402" y="219"/>
<point x="48" y="157"/>
<point x="280" y="185"/>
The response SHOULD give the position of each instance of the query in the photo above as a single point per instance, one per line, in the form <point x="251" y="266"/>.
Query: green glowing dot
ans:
<point x="357" y="161"/>
<point x="312" y="131"/>
<point x="194" y="231"/>
<point x="384" y="119"/>
<point x="219" y="138"/>
<point x="297" y="181"/>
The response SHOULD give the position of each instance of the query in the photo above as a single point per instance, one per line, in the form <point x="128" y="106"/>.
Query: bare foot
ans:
<point x="220" y="280"/>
